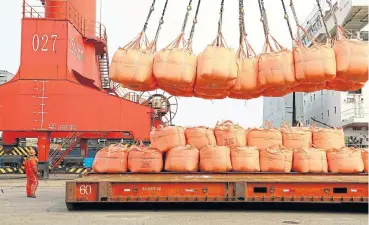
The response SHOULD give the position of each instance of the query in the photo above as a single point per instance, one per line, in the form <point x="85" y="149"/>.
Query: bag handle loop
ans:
<point x="241" y="53"/>
<point x="268" y="36"/>
<point x="180" y="39"/>
<point x="137" y="42"/>
<point x="219" y="40"/>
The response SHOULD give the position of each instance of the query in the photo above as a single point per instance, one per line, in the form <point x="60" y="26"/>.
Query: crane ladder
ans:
<point x="104" y="71"/>
<point x="67" y="145"/>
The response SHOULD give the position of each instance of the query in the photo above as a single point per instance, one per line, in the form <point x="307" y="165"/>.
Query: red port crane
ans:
<point x="62" y="88"/>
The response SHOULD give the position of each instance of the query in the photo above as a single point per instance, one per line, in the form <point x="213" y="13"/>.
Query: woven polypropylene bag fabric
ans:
<point x="182" y="159"/>
<point x="200" y="137"/>
<point x="215" y="159"/>
<point x="145" y="160"/>
<point x="245" y="159"/>
<point x="345" y="160"/>
<point x="310" y="160"/>
<point x="168" y="137"/>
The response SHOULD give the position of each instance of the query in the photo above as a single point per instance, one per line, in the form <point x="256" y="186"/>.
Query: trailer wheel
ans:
<point x="70" y="206"/>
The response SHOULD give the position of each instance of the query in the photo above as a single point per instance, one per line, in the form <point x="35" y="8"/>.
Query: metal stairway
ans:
<point x="104" y="71"/>
<point x="66" y="146"/>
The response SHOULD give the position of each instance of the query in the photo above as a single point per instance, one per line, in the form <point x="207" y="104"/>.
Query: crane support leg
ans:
<point x="83" y="145"/>
<point x="10" y="140"/>
<point x="43" y="148"/>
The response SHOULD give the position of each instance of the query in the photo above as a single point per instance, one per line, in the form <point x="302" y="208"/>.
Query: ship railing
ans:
<point x="64" y="10"/>
<point x="97" y="29"/>
<point x="352" y="145"/>
<point x="30" y="12"/>
<point x="355" y="113"/>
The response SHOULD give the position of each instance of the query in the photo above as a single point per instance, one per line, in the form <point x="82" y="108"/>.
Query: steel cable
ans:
<point x="161" y="22"/>
<point x="220" y="22"/>
<point x="287" y="19"/>
<point x="294" y="13"/>
<point x="263" y="18"/>
<point x="189" y="41"/>
<point x="152" y="8"/>
<point x="189" y="8"/>
<point x="322" y="18"/>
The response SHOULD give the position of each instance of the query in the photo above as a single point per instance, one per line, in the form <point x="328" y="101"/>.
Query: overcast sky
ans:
<point x="124" y="19"/>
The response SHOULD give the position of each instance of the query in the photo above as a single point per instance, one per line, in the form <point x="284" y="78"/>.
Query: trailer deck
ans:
<point x="227" y="187"/>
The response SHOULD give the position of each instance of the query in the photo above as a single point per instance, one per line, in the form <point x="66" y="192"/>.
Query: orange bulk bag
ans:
<point x="351" y="57"/>
<point x="142" y="159"/>
<point x="216" y="70"/>
<point x="215" y="159"/>
<point x="276" y="92"/>
<point x="276" y="158"/>
<point x="296" y="137"/>
<point x="247" y="82"/>
<point x="178" y="92"/>
<point x="338" y="85"/>
<point x="345" y="160"/>
<point x="164" y="138"/>
<point x="245" y="159"/>
<point x="314" y="65"/>
<point x="262" y="138"/>
<point x="276" y="66"/>
<point x="206" y="93"/>
<point x="199" y="137"/>
<point x="112" y="159"/>
<point x="327" y="139"/>
<point x="364" y="155"/>
<point x="244" y="96"/>
<point x="131" y="65"/>
<point x="229" y="134"/>
<point x="182" y="159"/>
<point x="310" y="160"/>
<point x="308" y="88"/>
<point x="175" y="68"/>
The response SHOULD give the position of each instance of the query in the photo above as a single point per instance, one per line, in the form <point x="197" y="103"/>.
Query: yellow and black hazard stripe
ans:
<point x="59" y="167"/>
<point x="77" y="170"/>
<point x="21" y="170"/>
<point x="6" y="170"/>
<point x="21" y="151"/>
<point x="24" y="151"/>
<point x="12" y="170"/>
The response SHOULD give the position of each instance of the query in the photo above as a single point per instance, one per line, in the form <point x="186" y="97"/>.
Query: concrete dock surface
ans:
<point x="49" y="209"/>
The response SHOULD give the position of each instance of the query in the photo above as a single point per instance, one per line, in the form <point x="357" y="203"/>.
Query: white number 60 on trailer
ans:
<point x="85" y="189"/>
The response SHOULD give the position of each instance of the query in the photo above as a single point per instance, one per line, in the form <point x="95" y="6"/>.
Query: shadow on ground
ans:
<point x="188" y="207"/>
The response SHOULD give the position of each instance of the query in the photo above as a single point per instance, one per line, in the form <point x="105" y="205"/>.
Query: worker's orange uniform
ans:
<point x="32" y="174"/>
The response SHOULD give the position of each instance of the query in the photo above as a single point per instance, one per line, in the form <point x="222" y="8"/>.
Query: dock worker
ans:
<point x="31" y="166"/>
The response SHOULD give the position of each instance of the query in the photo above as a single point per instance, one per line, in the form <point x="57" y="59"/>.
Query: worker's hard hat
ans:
<point x="32" y="152"/>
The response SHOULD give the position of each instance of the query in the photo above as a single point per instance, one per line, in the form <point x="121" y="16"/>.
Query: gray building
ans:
<point x="279" y="110"/>
<point x="5" y="76"/>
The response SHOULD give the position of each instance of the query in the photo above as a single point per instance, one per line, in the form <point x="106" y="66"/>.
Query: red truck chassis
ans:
<point x="229" y="187"/>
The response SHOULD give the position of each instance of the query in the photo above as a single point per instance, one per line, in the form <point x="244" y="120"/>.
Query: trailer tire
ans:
<point x="70" y="206"/>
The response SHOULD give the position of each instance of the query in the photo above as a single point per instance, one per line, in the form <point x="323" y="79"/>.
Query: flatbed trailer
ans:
<point x="226" y="187"/>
